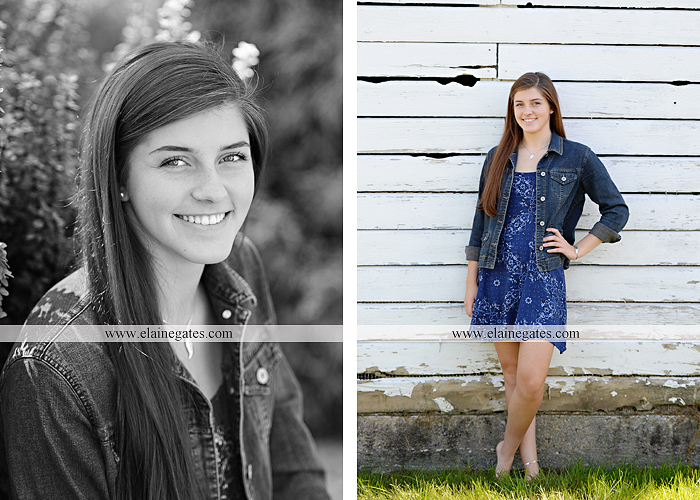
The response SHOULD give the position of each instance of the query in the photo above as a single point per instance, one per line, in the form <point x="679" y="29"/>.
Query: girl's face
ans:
<point x="531" y="110"/>
<point x="190" y="185"/>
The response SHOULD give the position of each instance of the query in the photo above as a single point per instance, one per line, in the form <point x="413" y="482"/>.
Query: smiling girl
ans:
<point x="171" y="151"/>
<point x="531" y="196"/>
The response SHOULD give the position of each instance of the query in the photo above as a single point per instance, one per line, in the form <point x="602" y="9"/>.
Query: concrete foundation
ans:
<point x="434" y="441"/>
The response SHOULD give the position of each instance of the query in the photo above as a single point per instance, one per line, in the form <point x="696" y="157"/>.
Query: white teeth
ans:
<point x="204" y="220"/>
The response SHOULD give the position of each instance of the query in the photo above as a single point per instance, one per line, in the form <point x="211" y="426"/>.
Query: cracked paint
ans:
<point x="443" y="404"/>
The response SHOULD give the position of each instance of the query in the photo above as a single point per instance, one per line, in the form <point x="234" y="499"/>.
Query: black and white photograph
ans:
<point x="171" y="249"/>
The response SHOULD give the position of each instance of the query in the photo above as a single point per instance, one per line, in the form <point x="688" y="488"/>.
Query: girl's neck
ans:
<point x="178" y="288"/>
<point x="538" y="140"/>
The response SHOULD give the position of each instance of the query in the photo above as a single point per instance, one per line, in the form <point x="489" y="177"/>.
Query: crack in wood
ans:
<point x="465" y="80"/>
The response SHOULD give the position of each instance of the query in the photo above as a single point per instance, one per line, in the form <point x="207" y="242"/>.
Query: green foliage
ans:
<point x="4" y="275"/>
<point x="45" y="56"/>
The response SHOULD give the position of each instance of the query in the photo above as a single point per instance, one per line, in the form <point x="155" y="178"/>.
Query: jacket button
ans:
<point x="262" y="375"/>
<point x="543" y="174"/>
<point x="249" y="472"/>
<point x="541" y="223"/>
<point x="563" y="177"/>
<point x="226" y="314"/>
<point x="231" y="390"/>
<point x="542" y="199"/>
<point x="541" y="248"/>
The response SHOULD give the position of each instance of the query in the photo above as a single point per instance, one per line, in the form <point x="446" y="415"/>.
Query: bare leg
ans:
<point x="528" y="446"/>
<point x="525" y="367"/>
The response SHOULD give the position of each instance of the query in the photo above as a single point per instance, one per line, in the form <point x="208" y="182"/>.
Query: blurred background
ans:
<point x="55" y="53"/>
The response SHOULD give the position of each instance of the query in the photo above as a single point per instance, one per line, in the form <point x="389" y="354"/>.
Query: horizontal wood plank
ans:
<point x="578" y="313"/>
<point x="590" y="63"/>
<point x="426" y="247"/>
<point x="489" y="99"/>
<point x="445" y="60"/>
<point x="633" y="4"/>
<point x="583" y="284"/>
<point x="461" y="174"/>
<point x="485" y="393"/>
<point x="637" y="4"/>
<point x="506" y="25"/>
<point x="456" y="211"/>
<point x="478" y="135"/>
<point x="580" y="358"/>
<point x="440" y="2"/>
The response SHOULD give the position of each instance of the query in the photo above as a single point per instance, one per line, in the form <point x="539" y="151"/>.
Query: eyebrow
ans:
<point x="235" y="145"/>
<point x="535" y="99"/>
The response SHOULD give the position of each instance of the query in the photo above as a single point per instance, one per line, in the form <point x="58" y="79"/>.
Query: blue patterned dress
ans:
<point x="515" y="292"/>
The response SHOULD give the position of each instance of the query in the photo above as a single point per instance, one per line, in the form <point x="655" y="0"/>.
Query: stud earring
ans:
<point x="122" y="194"/>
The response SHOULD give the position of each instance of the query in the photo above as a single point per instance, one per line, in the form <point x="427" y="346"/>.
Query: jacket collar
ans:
<point x="556" y="144"/>
<point x="224" y="282"/>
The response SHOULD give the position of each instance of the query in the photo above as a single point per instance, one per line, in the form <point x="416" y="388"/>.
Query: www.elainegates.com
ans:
<point x="177" y="335"/>
<point x="515" y="334"/>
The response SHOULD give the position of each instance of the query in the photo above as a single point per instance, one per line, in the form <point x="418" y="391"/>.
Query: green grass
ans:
<point x="671" y="482"/>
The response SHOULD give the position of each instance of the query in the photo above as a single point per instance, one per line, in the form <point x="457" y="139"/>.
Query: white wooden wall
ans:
<point x="622" y="75"/>
<point x="628" y="77"/>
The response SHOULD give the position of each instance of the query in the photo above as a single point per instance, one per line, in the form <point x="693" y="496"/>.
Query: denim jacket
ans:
<point x="57" y="400"/>
<point x="565" y="173"/>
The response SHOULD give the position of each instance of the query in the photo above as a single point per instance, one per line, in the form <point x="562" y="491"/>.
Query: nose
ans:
<point x="209" y="185"/>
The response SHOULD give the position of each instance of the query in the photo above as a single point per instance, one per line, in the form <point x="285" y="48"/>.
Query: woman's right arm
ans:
<point x="50" y="448"/>
<point x="472" y="287"/>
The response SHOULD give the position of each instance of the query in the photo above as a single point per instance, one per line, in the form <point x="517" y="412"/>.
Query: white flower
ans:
<point x="245" y="56"/>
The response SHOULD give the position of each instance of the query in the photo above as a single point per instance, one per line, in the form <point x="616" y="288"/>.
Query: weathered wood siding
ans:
<point x="433" y="81"/>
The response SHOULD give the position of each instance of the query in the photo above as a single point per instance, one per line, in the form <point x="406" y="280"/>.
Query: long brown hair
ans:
<point x="157" y="84"/>
<point x="513" y="134"/>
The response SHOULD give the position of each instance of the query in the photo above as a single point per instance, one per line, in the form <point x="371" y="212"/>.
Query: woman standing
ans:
<point x="171" y="151"/>
<point x="531" y="196"/>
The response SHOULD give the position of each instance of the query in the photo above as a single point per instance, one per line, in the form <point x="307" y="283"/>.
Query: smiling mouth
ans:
<point x="529" y="119"/>
<point x="204" y="220"/>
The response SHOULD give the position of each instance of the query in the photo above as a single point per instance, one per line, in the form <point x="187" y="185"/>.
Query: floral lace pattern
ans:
<point x="226" y="448"/>
<point x="515" y="292"/>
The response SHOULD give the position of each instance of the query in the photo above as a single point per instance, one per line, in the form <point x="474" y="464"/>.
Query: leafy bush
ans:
<point x="45" y="56"/>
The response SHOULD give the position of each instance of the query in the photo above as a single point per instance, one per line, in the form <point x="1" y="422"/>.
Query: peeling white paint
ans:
<point x="566" y="385"/>
<point x="601" y="358"/>
<point x="673" y="384"/>
<point x="443" y="404"/>
<point x="613" y="393"/>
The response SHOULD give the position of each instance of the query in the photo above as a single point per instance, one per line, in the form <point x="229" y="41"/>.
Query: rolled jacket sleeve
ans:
<point x="473" y="250"/>
<point x="601" y="189"/>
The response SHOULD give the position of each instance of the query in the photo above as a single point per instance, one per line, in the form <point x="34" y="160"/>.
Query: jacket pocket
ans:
<point x="563" y="183"/>
<point x="258" y="377"/>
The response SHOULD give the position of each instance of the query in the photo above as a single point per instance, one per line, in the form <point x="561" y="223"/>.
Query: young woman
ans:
<point x="531" y="196"/>
<point x="172" y="148"/>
